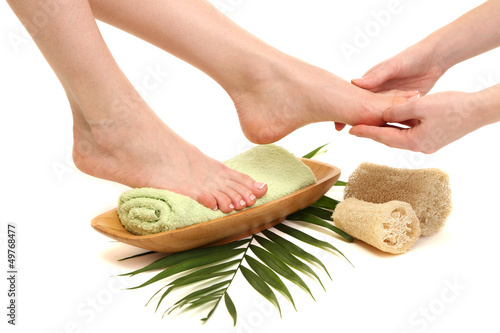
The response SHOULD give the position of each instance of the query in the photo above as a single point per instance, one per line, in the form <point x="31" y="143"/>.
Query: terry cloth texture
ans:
<point x="144" y="211"/>
<point x="391" y="227"/>
<point x="426" y="190"/>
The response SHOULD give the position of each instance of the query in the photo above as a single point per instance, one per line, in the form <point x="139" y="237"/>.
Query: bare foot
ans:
<point x="137" y="149"/>
<point x="293" y="94"/>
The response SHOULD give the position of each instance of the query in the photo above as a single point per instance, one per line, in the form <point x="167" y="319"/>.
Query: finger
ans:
<point x="374" y="68"/>
<point x="374" y="78"/>
<point x="339" y="126"/>
<point x="401" y="93"/>
<point x="402" y="113"/>
<point x="390" y="136"/>
<point x="403" y="99"/>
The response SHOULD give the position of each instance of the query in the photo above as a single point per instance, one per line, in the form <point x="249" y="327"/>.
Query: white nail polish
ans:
<point x="243" y="203"/>
<point x="252" y="197"/>
<point x="259" y="185"/>
<point x="216" y="207"/>
<point x="231" y="206"/>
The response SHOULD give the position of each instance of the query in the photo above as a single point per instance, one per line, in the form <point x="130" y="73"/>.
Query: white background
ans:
<point x="64" y="265"/>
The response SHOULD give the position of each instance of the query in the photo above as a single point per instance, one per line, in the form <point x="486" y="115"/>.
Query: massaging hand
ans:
<point x="435" y="120"/>
<point x="421" y="65"/>
<point x="415" y="69"/>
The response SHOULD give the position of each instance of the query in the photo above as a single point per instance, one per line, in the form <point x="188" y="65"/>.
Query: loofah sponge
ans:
<point x="391" y="227"/>
<point x="426" y="190"/>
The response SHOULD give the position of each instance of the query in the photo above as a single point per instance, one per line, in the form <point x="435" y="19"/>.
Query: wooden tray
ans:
<point x="228" y="228"/>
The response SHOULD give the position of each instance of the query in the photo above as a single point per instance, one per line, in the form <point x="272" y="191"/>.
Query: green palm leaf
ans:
<point x="193" y="279"/>
<point x="196" y="276"/>
<point x="307" y="238"/>
<point x="260" y="286"/>
<point x="211" y="290"/>
<point x="176" y="258"/>
<point x="314" y="152"/>
<point x="287" y="257"/>
<point x="326" y="202"/>
<point x="294" y="249"/>
<point x="305" y="216"/>
<point x="192" y="263"/>
<point x="203" y="300"/>
<point x="135" y="256"/>
<point x="230" y="308"/>
<point x="280" y="267"/>
<point x="322" y="213"/>
<point x="213" y="310"/>
<point x="202" y="274"/>
<point x="269" y="277"/>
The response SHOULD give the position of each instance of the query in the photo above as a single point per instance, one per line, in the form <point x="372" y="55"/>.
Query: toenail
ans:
<point x="259" y="185"/>
<point x="243" y="203"/>
<point x="231" y="206"/>
<point x="252" y="197"/>
<point x="216" y="207"/>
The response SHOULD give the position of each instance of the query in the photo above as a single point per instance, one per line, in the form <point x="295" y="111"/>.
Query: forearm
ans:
<point x="471" y="34"/>
<point x="488" y="105"/>
<point x="192" y="30"/>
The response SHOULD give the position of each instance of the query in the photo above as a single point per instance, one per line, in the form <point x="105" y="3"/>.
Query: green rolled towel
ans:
<point x="144" y="211"/>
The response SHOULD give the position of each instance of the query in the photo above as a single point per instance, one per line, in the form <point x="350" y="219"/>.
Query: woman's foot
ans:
<point x="291" y="94"/>
<point x="137" y="149"/>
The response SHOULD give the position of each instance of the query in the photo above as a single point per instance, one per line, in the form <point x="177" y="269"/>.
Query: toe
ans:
<point x="236" y="199"/>
<point x="248" y="197"/>
<point x="257" y="188"/>
<point x="207" y="200"/>
<point x="224" y="202"/>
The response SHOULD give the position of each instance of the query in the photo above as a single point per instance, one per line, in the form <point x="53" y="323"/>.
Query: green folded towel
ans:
<point x="145" y="211"/>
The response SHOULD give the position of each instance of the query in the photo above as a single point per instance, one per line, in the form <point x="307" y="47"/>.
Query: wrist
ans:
<point x="439" y="55"/>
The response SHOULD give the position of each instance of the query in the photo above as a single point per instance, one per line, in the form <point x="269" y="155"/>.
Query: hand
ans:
<point x="378" y="108"/>
<point x="415" y="69"/>
<point x="432" y="122"/>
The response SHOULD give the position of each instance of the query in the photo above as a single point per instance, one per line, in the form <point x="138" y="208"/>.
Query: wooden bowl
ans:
<point x="228" y="228"/>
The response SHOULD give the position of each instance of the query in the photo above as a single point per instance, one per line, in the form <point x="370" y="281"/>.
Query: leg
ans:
<point x="274" y="93"/>
<point x="116" y="135"/>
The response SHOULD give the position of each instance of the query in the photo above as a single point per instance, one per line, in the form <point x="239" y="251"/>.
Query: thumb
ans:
<point x="374" y="77"/>
<point x="402" y="112"/>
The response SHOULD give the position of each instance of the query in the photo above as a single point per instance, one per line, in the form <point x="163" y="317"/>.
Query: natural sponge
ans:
<point x="426" y="190"/>
<point x="391" y="227"/>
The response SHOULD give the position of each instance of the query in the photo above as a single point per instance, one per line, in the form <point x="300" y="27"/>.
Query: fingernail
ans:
<point x="357" y="80"/>
<point x="216" y="207"/>
<point x="252" y="197"/>
<point x="243" y="203"/>
<point x="414" y="97"/>
<point x="231" y="206"/>
<point x="259" y="185"/>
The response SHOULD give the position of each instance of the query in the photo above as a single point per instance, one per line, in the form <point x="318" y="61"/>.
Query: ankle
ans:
<point x="254" y="73"/>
